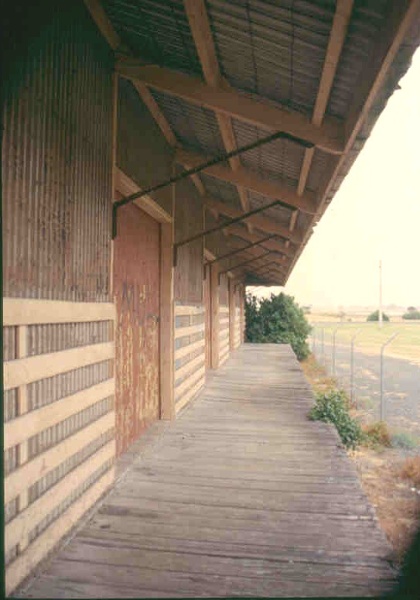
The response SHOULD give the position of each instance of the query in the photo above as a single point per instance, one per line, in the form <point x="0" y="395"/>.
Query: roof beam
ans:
<point x="233" y="103"/>
<point x="266" y="225"/>
<point x="203" y="39"/>
<point x="238" y="243"/>
<point x="338" y="34"/>
<point x="250" y="180"/>
<point x="240" y="232"/>
<point x="103" y="23"/>
<point x="241" y="249"/>
<point x="402" y="15"/>
<point x="259" y="251"/>
<point x="107" y="29"/>
<point x="272" y="265"/>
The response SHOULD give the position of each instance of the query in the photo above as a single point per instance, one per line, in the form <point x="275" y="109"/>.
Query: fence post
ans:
<point x="333" y="351"/>
<point x="382" y="405"/>
<point x="352" y="363"/>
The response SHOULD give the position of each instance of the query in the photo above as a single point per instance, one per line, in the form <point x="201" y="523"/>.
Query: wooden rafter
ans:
<point x="338" y="34"/>
<point x="103" y="23"/>
<point x="107" y="29"/>
<point x="260" y="112"/>
<point x="257" y="250"/>
<point x="263" y="223"/>
<point x="245" y="236"/>
<point x="401" y="17"/>
<point x="203" y="39"/>
<point x="250" y="180"/>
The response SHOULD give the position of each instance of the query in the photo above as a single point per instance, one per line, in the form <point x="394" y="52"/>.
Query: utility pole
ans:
<point x="380" y="294"/>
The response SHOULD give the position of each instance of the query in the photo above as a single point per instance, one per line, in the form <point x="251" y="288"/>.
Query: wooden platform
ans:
<point x="241" y="496"/>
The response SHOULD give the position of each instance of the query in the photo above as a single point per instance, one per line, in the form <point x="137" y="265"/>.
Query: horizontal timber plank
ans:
<point x="181" y="332"/>
<point x="26" y="475"/>
<point x="189" y="368"/>
<point x="185" y="350"/>
<point x="20" y="311"/>
<point x="189" y="395"/>
<point x="181" y="310"/>
<point x="22" y="428"/>
<point x="183" y="387"/>
<point x="24" y="563"/>
<point x="35" y="512"/>
<point x="34" y="368"/>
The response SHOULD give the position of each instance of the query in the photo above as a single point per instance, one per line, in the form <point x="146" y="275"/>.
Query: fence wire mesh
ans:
<point x="383" y="383"/>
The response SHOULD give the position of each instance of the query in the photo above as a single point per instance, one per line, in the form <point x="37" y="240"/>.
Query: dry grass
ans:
<point x="410" y="470"/>
<point x="386" y="479"/>
<point x="396" y="505"/>
<point x="317" y="375"/>
<point x="377" y="434"/>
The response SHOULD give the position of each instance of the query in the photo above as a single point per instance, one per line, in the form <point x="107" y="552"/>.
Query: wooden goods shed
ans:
<point x="157" y="157"/>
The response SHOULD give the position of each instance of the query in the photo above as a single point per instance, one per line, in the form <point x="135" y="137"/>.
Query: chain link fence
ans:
<point x="382" y="386"/>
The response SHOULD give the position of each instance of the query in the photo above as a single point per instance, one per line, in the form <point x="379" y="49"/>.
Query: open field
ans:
<point x="371" y="337"/>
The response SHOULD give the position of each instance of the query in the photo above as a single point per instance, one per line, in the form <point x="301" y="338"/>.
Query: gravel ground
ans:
<point x="401" y="386"/>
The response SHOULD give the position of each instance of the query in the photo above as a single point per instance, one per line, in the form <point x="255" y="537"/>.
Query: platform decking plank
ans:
<point x="242" y="495"/>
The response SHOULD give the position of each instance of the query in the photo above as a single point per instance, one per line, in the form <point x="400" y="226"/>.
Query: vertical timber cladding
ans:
<point x="189" y="335"/>
<point x="237" y="339"/>
<point x="137" y="298"/>
<point x="223" y="318"/>
<point x="207" y="316"/>
<point x="56" y="178"/>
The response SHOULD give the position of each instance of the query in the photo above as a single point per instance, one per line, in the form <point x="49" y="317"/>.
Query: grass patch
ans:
<point x="404" y="440"/>
<point x="406" y="344"/>
<point x="333" y="407"/>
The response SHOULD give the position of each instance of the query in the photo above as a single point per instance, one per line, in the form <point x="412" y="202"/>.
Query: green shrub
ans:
<point x="403" y="440"/>
<point x="277" y="320"/>
<point x="333" y="407"/>
<point x="375" y="316"/>
<point x="412" y="314"/>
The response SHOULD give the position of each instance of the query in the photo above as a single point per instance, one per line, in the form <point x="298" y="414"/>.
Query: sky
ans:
<point x="374" y="216"/>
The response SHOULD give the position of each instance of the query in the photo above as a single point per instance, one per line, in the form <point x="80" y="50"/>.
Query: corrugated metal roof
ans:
<point x="273" y="48"/>
<point x="156" y="30"/>
<point x="221" y="190"/>
<point x="195" y="127"/>
<point x="281" y="158"/>
<point x="278" y="214"/>
<point x="366" y="21"/>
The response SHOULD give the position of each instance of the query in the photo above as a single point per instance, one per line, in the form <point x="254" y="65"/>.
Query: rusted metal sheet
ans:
<point x="136" y="289"/>
<point x="56" y="154"/>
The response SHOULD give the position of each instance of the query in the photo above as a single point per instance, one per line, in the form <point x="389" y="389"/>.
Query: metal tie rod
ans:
<point x="214" y="161"/>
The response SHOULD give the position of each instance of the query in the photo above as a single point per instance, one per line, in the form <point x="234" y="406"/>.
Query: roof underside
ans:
<point x="277" y="52"/>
